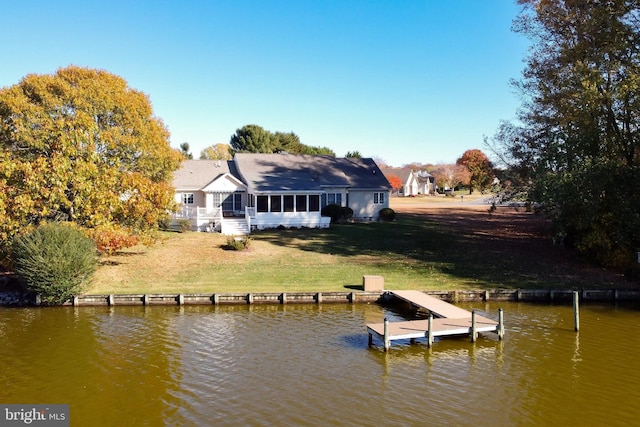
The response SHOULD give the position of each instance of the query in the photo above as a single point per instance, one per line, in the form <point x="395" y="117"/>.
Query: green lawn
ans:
<point x="417" y="251"/>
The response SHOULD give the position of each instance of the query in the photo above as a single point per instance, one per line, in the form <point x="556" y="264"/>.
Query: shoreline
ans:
<point x="18" y="299"/>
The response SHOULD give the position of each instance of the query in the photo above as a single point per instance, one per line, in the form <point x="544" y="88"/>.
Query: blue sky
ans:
<point x="401" y="81"/>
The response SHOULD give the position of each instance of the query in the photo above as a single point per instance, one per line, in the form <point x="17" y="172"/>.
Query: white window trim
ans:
<point x="188" y="199"/>
<point x="378" y="198"/>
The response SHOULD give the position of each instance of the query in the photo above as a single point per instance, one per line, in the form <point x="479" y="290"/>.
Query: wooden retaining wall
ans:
<point x="226" y="298"/>
<point x="524" y="295"/>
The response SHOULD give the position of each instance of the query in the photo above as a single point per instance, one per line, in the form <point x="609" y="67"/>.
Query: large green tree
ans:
<point x="80" y="145"/>
<point x="577" y="143"/>
<point x="255" y="139"/>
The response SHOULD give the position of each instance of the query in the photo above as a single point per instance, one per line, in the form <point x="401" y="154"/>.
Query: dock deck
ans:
<point x="444" y="320"/>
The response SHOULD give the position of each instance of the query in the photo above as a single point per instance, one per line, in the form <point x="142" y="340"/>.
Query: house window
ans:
<point x="187" y="198"/>
<point x="378" y="198"/>
<point x="262" y="204"/>
<point x="332" y="199"/>
<point x="276" y="204"/>
<point x="314" y="203"/>
<point x="301" y="203"/>
<point x="288" y="203"/>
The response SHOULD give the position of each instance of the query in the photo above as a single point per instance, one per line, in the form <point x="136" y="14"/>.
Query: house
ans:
<point x="426" y="183"/>
<point x="258" y="191"/>
<point x="207" y="191"/>
<point x="413" y="182"/>
<point x="407" y="178"/>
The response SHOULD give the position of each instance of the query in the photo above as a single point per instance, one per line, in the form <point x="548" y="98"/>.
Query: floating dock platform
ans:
<point x="444" y="320"/>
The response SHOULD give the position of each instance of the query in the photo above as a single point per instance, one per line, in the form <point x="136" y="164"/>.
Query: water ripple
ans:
<point x="309" y="365"/>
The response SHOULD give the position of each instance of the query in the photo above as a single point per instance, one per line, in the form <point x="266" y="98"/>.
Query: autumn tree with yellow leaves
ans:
<point x="80" y="145"/>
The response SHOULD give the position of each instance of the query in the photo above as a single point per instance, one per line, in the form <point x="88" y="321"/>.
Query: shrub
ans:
<point x="346" y="213"/>
<point x="184" y="225"/>
<point x="333" y="211"/>
<point x="238" y="243"/>
<point x="112" y="238"/>
<point x="387" y="214"/>
<point x="164" y="223"/>
<point x="337" y="213"/>
<point x="55" y="260"/>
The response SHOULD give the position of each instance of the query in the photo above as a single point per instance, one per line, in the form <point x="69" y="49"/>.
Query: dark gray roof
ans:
<point x="197" y="174"/>
<point x="402" y="173"/>
<point x="290" y="172"/>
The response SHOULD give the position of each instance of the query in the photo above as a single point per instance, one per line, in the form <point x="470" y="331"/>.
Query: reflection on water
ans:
<point x="310" y="365"/>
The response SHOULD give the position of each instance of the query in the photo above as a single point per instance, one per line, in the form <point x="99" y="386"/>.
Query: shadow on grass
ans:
<point x="510" y="250"/>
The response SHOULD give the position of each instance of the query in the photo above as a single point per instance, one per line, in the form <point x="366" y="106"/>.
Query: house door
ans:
<point x="231" y="203"/>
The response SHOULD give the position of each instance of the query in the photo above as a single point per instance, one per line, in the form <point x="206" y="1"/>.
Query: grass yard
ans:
<point x="427" y="247"/>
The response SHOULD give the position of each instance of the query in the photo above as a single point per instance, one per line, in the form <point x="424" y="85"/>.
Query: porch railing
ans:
<point x="198" y="213"/>
<point x="249" y="213"/>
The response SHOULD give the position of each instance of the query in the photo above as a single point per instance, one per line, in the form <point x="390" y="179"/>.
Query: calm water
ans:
<point x="310" y="365"/>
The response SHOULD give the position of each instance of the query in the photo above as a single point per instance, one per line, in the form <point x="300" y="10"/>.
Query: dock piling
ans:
<point x="576" y="311"/>
<point x="387" y="341"/>
<point x="500" y="324"/>
<point x="430" y="331"/>
<point x="474" y="332"/>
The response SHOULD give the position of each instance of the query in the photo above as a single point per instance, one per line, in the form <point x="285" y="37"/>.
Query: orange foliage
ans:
<point x="396" y="183"/>
<point x="112" y="238"/>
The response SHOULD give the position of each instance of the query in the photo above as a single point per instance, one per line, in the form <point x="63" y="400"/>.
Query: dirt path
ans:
<point x="513" y="233"/>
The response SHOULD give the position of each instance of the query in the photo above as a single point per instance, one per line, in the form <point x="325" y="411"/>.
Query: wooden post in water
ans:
<point x="576" y="311"/>
<point x="500" y="324"/>
<point x="430" y="330"/>
<point x="474" y="333"/>
<point x="387" y="342"/>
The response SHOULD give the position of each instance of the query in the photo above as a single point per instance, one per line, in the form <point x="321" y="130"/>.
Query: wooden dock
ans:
<point x="444" y="320"/>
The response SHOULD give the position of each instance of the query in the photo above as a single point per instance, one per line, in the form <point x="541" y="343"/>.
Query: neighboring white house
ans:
<point x="413" y="182"/>
<point x="257" y="191"/>
<point x="426" y="183"/>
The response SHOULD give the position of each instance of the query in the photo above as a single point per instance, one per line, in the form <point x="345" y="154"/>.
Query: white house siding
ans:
<point x="198" y="198"/>
<point x="265" y="220"/>
<point x="411" y="188"/>
<point x="362" y="204"/>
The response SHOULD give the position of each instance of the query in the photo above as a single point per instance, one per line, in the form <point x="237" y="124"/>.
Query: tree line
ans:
<point x="575" y="149"/>
<point x="255" y="139"/>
